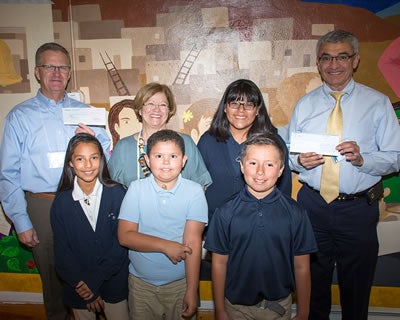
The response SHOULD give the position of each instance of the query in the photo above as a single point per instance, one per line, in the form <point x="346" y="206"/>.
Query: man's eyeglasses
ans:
<point x="341" y="58"/>
<point x="235" y="105"/>
<point x="51" y="68"/>
<point x="152" y="106"/>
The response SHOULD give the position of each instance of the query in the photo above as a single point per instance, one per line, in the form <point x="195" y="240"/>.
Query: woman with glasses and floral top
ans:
<point x="154" y="105"/>
<point x="241" y="113"/>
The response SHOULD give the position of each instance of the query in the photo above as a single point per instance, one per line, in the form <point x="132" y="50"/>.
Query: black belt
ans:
<point x="350" y="197"/>
<point x="371" y="194"/>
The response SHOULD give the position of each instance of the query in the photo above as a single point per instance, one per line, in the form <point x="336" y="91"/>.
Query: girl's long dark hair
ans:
<point x="236" y="91"/>
<point x="68" y="173"/>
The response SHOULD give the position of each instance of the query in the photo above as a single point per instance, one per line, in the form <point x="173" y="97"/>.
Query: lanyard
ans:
<point x="141" y="160"/>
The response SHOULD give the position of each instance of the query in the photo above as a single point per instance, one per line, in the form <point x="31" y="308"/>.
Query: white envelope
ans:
<point x="89" y="116"/>
<point x="324" y="144"/>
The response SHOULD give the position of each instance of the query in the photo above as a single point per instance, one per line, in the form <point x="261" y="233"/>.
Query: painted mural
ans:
<point x="13" y="61"/>
<point x="198" y="48"/>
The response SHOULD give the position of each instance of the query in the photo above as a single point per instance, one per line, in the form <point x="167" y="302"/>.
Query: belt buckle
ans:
<point x="339" y="198"/>
<point x="345" y="197"/>
<point x="272" y="305"/>
<point x="262" y="304"/>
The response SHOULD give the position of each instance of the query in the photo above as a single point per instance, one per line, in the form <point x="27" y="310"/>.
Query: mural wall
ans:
<point x="198" y="48"/>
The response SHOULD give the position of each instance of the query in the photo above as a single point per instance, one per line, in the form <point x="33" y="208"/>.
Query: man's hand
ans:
<point x="351" y="150"/>
<point x="310" y="160"/>
<point x="29" y="238"/>
<point x="82" y="128"/>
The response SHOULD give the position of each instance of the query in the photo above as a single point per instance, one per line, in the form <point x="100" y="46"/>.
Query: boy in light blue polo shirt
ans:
<point x="162" y="219"/>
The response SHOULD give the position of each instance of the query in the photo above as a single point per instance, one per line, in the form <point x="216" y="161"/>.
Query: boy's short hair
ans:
<point x="164" y="136"/>
<point x="264" y="139"/>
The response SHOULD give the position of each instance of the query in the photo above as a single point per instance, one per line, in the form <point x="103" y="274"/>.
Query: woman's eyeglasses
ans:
<point x="235" y="105"/>
<point x="152" y="106"/>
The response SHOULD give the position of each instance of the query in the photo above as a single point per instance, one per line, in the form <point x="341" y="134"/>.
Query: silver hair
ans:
<point x="336" y="36"/>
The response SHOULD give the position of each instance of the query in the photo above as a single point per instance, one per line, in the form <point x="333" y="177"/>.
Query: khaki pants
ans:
<point x="240" y="312"/>
<point x="149" y="302"/>
<point x="39" y="213"/>
<point x="117" y="311"/>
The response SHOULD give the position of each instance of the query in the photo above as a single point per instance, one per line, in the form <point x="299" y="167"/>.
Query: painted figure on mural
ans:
<point x="389" y="64"/>
<point x="197" y="118"/>
<point x="8" y="75"/>
<point x="122" y="120"/>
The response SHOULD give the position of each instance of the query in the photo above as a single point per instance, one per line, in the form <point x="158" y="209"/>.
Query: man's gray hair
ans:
<point x="336" y="36"/>
<point x="51" y="46"/>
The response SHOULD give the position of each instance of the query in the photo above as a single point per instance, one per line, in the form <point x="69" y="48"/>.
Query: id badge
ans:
<point x="56" y="159"/>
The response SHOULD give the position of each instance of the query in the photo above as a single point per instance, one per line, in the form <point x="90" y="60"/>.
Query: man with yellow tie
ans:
<point x="340" y="193"/>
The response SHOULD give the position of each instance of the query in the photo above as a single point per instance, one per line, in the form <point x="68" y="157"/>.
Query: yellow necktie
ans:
<point x="329" y="189"/>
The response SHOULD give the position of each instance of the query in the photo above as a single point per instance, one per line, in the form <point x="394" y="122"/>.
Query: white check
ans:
<point x="324" y="144"/>
<point x="89" y="116"/>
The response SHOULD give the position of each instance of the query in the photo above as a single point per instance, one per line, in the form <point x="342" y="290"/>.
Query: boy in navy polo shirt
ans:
<point x="261" y="242"/>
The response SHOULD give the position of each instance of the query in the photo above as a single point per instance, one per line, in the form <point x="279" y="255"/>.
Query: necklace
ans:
<point x="142" y="161"/>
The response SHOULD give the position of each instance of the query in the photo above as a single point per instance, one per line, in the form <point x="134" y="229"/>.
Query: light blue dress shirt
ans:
<point x="368" y="119"/>
<point x="33" y="133"/>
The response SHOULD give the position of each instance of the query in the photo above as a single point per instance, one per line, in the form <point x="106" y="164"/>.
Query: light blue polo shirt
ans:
<point x="161" y="213"/>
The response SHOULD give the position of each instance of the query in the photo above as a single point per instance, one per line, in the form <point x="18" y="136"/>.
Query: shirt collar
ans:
<point x="78" y="194"/>
<point x="347" y="90"/>
<point x="47" y="101"/>
<point x="158" y="189"/>
<point x="248" y="197"/>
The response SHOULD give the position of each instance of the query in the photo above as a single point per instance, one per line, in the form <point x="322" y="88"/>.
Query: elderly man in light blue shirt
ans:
<point x="344" y="221"/>
<point x="31" y="160"/>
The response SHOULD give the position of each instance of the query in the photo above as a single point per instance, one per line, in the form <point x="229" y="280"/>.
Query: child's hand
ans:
<point x="189" y="305"/>
<point x="96" y="306"/>
<point x="221" y="315"/>
<point x="83" y="290"/>
<point x="296" y="317"/>
<point x="176" y="252"/>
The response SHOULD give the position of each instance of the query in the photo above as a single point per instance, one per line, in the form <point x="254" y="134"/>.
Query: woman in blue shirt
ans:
<point x="154" y="105"/>
<point x="241" y="113"/>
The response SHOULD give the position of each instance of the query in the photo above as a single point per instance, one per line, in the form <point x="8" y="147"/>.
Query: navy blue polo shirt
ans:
<point x="261" y="238"/>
